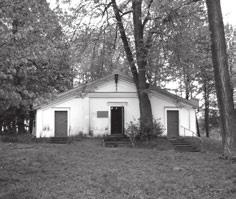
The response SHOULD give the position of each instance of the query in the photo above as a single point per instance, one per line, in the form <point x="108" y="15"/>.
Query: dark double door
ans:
<point x="117" y="120"/>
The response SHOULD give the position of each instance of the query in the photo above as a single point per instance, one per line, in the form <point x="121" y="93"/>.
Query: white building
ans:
<point x="106" y="106"/>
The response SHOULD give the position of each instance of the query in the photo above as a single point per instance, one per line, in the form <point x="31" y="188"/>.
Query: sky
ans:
<point x="229" y="11"/>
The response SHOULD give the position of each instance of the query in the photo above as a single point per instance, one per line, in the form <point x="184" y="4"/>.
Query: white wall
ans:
<point x="45" y="118"/>
<point x="100" y="126"/>
<point x="122" y="86"/>
<point x="160" y="105"/>
<point x="82" y="112"/>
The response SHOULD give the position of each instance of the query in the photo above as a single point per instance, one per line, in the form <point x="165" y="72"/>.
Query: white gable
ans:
<point x="122" y="86"/>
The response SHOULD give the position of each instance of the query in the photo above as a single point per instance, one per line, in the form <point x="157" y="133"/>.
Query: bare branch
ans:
<point x="123" y="36"/>
<point x="174" y="12"/>
<point x="125" y="13"/>
<point x="106" y="8"/>
<point x="147" y="18"/>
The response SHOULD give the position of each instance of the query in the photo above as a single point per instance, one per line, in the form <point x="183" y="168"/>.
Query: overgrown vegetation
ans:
<point x="133" y="131"/>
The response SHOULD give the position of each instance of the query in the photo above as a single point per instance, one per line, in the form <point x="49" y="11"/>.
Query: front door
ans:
<point x="172" y="123"/>
<point x="61" y="123"/>
<point x="117" y="120"/>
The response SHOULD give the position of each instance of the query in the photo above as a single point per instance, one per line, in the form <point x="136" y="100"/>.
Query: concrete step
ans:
<point x="118" y="140"/>
<point x="117" y="144"/>
<point x="181" y="145"/>
<point x="119" y="137"/>
<point x="59" y="140"/>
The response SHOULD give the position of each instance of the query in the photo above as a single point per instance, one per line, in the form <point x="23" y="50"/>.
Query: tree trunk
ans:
<point x="221" y="74"/>
<point x="141" y="57"/>
<point x="198" y="130"/>
<point x="20" y="118"/>
<point x="206" y="104"/>
<point x="145" y="114"/>
<point x="1" y="127"/>
<point x="31" y="119"/>
<point x="139" y="76"/>
<point x="207" y="122"/>
<point x="186" y="82"/>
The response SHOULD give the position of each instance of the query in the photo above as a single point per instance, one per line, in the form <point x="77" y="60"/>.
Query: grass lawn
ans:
<point x="87" y="170"/>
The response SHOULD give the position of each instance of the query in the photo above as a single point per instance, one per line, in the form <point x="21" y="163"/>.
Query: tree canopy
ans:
<point x="34" y="58"/>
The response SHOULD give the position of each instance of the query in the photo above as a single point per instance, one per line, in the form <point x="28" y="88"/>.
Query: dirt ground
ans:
<point x="87" y="170"/>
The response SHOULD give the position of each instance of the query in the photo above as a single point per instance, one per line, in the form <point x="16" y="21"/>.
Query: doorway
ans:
<point x="172" y="123"/>
<point x="61" y="123"/>
<point x="117" y="120"/>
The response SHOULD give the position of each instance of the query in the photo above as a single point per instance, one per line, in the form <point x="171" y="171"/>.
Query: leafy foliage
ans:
<point x="34" y="58"/>
<point x="158" y="128"/>
<point x="132" y="131"/>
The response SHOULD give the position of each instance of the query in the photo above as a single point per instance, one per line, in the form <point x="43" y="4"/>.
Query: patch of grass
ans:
<point x="157" y="143"/>
<point x="87" y="170"/>
<point x="20" y="138"/>
<point x="19" y="193"/>
<point x="205" y="144"/>
<point x="211" y="145"/>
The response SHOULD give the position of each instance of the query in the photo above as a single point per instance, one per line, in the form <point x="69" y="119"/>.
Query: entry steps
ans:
<point x="59" y="140"/>
<point x="116" y="140"/>
<point x="181" y="145"/>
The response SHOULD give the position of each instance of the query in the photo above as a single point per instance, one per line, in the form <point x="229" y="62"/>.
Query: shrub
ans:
<point x="158" y="128"/>
<point x="132" y="131"/>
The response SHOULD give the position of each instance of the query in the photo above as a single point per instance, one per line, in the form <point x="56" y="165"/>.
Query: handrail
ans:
<point x="193" y="133"/>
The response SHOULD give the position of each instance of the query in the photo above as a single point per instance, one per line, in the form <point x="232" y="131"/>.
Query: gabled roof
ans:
<point x="85" y="88"/>
<point x="192" y="102"/>
<point x="91" y="86"/>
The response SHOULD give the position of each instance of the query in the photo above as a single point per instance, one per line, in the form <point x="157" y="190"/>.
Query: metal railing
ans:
<point x="192" y="133"/>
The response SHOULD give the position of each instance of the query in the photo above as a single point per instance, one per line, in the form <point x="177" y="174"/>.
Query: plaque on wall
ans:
<point x="102" y="114"/>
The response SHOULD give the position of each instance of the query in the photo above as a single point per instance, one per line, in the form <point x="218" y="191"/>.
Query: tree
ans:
<point x="96" y="53"/>
<point x="205" y="77"/>
<point x="221" y="74"/>
<point x="144" y="26"/>
<point x="138" y="65"/>
<point x="33" y="58"/>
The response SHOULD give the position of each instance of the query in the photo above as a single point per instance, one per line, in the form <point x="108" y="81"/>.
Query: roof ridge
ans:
<point x="82" y="88"/>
